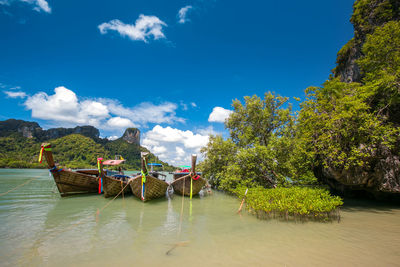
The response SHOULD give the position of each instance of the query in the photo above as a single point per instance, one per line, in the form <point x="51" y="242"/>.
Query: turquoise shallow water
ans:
<point x="39" y="228"/>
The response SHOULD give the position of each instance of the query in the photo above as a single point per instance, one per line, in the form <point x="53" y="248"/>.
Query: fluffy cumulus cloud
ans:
<point x="64" y="108"/>
<point x="219" y="114"/>
<point x="15" y="94"/>
<point x="145" y="112"/>
<point x="173" y="145"/>
<point x="119" y="122"/>
<point x="145" y="27"/>
<point x="182" y="14"/>
<point x="39" y="5"/>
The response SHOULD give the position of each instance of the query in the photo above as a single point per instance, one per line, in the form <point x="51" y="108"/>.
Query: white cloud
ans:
<point x="159" y="150"/>
<point x="193" y="104"/>
<point x="144" y="28"/>
<point x="118" y="122"/>
<point x="182" y="14"/>
<point x="40" y="5"/>
<point x="219" y="114"/>
<point x="66" y="109"/>
<point x="15" y="94"/>
<point x="179" y="144"/>
<point x="15" y="88"/>
<point x="112" y="138"/>
<point x="145" y="112"/>
<point x="207" y="131"/>
<point x="179" y="151"/>
<point x="64" y="106"/>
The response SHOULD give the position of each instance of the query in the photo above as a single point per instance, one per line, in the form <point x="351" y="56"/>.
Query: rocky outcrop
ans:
<point x="379" y="177"/>
<point x="132" y="136"/>
<point x="26" y="128"/>
<point x="33" y="130"/>
<point x="367" y="16"/>
<point x="54" y="133"/>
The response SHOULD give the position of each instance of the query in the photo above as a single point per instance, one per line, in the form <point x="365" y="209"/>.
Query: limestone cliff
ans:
<point x="380" y="176"/>
<point x="367" y="16"/>
<point x="132" y="136"/>
<point x="33" y="130"/>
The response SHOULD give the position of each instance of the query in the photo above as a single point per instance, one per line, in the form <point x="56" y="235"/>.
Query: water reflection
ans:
<point x="39" y="228"/>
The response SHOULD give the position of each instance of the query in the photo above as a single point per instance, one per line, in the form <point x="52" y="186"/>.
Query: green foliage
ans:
<point x="17" y="151"/>
<point x="131" y="152"/>
<point x="263" y="149"/>
<point x="344" y="124"/>
<point x="381" y="65"/>
<point x="290" y="202"/>
<point x="72" y="151"/>
<point x="258" y="120"/>
<point x="343" y="56"/>
<point x="218" y="155"/>
<point x="77" y="151"/>
<point x="344" y="52"/>
<point x="336" y="123"/>
<point x="371" y="13"/>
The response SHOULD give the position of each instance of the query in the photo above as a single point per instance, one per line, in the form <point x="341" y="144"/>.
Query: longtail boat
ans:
<point x="185" y="170"/>
<point x="116" y="184"/>
<point x="154" y="173"/>
<point x="189" y="184"/>
<point x="68" y="182"/>
<point x="145" y="186"/>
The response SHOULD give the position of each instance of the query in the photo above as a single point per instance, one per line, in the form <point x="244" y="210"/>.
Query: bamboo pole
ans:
<point x="194" y="158"/>
<point x="241" y="204"/>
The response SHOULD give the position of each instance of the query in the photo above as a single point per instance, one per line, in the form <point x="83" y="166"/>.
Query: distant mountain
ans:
<point x="33" y="130"/>
<point x="77" y="147"/>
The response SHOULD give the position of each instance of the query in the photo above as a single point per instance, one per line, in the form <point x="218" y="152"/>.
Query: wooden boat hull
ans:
<point x="69" y="182"/>
<point x="182" y="185"/>
<point x="112" y="186"/>
<point x="178" y="175"/>
<point x="89" y="171"/>
<point x="154" y="188"/>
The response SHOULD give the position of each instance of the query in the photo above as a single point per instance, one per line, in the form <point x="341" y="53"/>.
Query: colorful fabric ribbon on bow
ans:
<point x="42" y="149"/>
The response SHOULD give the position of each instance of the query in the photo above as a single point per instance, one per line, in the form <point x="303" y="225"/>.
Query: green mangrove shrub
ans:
<point x="291" y="203"/>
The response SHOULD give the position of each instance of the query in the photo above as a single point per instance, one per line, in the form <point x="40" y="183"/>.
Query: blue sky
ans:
<point x="161" y="66"/>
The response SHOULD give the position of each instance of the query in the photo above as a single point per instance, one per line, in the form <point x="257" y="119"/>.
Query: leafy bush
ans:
<point x="293" y="202"/>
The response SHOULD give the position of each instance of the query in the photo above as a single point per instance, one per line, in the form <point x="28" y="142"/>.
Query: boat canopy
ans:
<point x="154" y="164"/>
<point x="184" y="166"/>
<point x="113" y="162"/>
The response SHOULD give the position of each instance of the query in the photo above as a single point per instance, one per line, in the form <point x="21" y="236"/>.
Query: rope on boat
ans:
<point x="78" y="223"/>
<point x="18" y="186"/>
<point x="109" y="202"/>
<point x="181" y="216"/>
<point x="122" y="189"/>
<point x="182" y="243"/>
